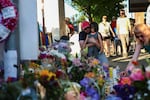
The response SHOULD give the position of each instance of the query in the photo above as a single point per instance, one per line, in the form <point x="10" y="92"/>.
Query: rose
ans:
<point x="137" y="75"/>
<point x="125" y="80"/>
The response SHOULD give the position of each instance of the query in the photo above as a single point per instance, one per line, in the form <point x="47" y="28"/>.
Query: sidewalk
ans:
<point x="122" y="62"/>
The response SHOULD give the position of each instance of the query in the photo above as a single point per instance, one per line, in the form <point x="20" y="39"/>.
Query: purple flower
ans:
<point x="42" y="56"/>
<point x="124" y="91"/>
<point x="93" y="93"/>
<point x="89" y="89"/>
<point x="85" y="82"/>
<point x="76" y="62"/>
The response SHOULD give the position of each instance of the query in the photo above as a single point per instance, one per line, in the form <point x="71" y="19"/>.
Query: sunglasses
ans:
<point x="86" y="28"/>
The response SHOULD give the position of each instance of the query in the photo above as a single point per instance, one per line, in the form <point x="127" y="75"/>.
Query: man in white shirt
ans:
<point x="123" y="29"/>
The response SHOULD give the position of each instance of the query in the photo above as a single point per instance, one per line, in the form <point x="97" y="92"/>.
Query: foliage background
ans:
<point x="95" y="9"/>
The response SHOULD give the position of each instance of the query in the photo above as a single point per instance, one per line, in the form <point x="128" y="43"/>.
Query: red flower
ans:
<point x="59" y="73"/>
<point x="135" y="63"/>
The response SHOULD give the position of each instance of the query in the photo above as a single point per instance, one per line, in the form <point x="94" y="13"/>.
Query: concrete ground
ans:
<point x="122" y="62"/>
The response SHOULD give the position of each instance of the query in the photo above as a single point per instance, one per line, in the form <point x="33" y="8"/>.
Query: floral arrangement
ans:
<point x="59" y="75"/>
<point x="136" y="85"/>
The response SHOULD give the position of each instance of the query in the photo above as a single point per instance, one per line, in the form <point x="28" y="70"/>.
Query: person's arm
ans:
<point x="81" y="42"/>
<point x="112" y="31"/>
<point x="85" y="42"/>
<point x="81" y="39"/>
<point x="117" y="27"/>
<point x="100" y="43"/>
<point x="130" y="66"/>
<point x="129" y="26"/>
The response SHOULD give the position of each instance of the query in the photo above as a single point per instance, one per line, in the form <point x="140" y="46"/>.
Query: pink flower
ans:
<point x="76" y="62"/>
<point x="147" y="72"/>
<point x="125" y="80"/>
<point x="82" y="96"/>
<point x="137" y="75"/>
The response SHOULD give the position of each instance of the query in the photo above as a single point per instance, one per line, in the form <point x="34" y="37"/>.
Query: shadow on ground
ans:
<point x="122" y="62"/>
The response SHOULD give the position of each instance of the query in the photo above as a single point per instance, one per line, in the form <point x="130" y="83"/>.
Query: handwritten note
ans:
<point x="8" y="12"/>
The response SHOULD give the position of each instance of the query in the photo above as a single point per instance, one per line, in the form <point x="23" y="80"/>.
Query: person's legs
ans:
<point x="124" y="44"/>
<point x="127" y="41"/>
<point x="113" y="47"/>
<point x="108" y="47"/>
<point x="104" y="43"/>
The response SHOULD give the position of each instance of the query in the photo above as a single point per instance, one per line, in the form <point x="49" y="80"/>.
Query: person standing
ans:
<point x="113" y="42"/>
<point x="69" y="27"/>
<point x="105" y="29"/>
<point x="123" y="30"/>
<point x="113" y="24"/>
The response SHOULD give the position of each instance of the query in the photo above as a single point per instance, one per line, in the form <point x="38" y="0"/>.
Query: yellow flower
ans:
<point x="101" y="81"/>
<point x="95" y="62"/>
<point x="48" y="74"/>
<point x="44" y="73"/>
<point x="33" y="65"/>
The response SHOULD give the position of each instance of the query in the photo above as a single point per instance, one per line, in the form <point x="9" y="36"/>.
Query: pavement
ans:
<point x="123" y="62"/>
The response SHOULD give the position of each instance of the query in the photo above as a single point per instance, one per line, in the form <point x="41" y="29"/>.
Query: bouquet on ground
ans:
<point x="136" y="85"/>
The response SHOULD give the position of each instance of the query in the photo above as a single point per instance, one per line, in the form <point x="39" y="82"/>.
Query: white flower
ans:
<point x="149" y="87"/>
<point x="26" y="92"/>
<point x="31" y="70"/>
<point x="130" y="96"/>
<point x="138" y="96"/>
<point x="145" y="94"/>
<point x="148" y="82"/>
<point x="147" y="69"/>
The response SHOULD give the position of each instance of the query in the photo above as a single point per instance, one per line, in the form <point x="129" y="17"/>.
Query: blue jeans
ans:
<point x="103" y="59"/>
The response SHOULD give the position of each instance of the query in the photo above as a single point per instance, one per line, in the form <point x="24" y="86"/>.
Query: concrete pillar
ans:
<point x="28" y="30"/>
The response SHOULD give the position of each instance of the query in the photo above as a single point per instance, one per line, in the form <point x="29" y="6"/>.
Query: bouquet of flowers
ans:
<point x="136" y="85"/>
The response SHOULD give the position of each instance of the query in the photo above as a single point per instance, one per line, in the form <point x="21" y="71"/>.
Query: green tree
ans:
<point x="95" y="9"/>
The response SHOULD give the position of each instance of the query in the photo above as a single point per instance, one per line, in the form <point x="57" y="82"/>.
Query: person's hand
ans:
<point x="92" y="40"/>
<point x="101" y="49"/>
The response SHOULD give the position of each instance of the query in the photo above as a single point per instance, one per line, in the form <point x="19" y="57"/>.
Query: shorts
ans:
<point x="106" y="37"/>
